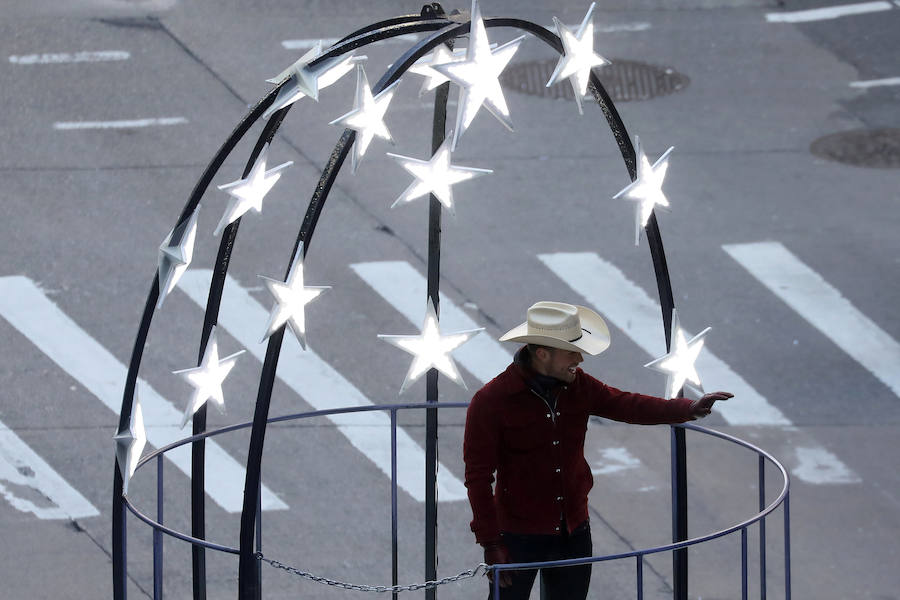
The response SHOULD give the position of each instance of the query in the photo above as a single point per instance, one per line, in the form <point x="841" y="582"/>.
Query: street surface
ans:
<point x="113" y="108"/>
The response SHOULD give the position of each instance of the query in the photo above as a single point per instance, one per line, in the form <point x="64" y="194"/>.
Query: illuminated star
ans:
<point x="249" y="192"/>
<point x="291" y="298"/>
<point x="306" y="80"/>
<point x="478" y="76"/>
<point x="175" y="254"/>
<point x="435" y="176"/>
<point x="578" y="57"/>
<point x="207" y="378"/>
<point x="430" y="349"/>
<point x="425" y="67"/>
<point x="130" y="443"/>
<point x="678" y="364"/>
<point x="367" y="116"/>
<point x="646" y="189"/>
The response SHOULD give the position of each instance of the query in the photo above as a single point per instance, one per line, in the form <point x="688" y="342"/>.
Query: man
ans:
<point x="527" y="425"/>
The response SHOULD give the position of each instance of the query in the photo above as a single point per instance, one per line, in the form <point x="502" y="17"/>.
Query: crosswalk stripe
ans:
<point x="320" y="385"/>
<point x="823" y="306"/>
<point x="27" y="309"/>
<point x="631" y="310"/>
<point x="405" y="289"/>
<point x="22" y="466"/>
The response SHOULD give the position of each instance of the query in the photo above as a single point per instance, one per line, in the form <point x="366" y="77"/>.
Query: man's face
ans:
<point x="559" y="363"/>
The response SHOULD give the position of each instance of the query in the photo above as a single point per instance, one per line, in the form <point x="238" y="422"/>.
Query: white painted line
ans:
<point x="819" y="466"/>
<point x="614" y="28"/>
<point x="319" y="384"/>
<point x="828" y="12"/>
<point x="823" y="306"/>
<point x="328" y="42"/>
<point x="614" y="460"/>
<point x="405" y="289"/>
<point x="875" y="82"/>
<point x="630" y="309"/>
<point x="21" y="466"/>
<point x="136" y="123"/>
<point x="81" y="356"/>
<point x="66" y="57"/>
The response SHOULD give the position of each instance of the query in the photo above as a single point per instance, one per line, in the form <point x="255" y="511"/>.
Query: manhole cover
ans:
<point x="624" y="80"/>
<point x="878" y="148"/>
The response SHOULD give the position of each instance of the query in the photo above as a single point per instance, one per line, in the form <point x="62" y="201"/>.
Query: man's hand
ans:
<point x="702" y="407"/>
<point x="495" y="553"/>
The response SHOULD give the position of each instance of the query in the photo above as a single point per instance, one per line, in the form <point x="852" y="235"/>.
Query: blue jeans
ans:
<point x="565" y="583"/>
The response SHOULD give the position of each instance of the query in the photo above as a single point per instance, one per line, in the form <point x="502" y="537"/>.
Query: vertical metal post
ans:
<point x="157" y="534"/>
<point x="640" y="577"/>
<point x="679" y="512"/>
<point x="394" y="545"/>
<point x="259" y="535"/>
<point x="438" y="135"/>
<point x="787" y="547"/>
<point x="762" y="528"/>
<point x="743" y="563"/>
<point x="198" y="501"/>
<point x="119" y="539"/>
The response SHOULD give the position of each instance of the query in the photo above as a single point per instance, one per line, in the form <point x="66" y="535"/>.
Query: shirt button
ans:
<point x="556" y="442"/>
<point x="558" y="470"/>
<point x="559" y="498"/>
<point x="557" y="413"/>
<point x="557" y="528"/>
<point x="548" y="415"/>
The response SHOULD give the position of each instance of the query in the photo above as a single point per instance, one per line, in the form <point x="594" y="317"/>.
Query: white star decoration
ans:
<point x="431" y="349"/>
<point x="367" y="116"/>
<point x="306" y="80"/>
<point x="578" y="57"/>
<point x="425" y="67"/>
<point x="435" y="176"/>
<point x="646" y="189"/>
<point x="478" y="76"/>
<point x="175" y="254"/>
<point x="678" y="364"/>
<point x="130" y="444"/>
<point x="291" y="298"/>
<point x="249" y="192"/>
<point x="207" y="378"/>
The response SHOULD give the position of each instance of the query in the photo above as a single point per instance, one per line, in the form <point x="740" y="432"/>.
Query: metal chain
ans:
<point x="373" y="588"/>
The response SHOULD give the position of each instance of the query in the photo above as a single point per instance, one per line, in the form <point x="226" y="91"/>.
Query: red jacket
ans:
<point x="538" y="453"/>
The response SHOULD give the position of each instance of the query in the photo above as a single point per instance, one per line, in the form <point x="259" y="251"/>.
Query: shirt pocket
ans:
<point x="524" y="432"/>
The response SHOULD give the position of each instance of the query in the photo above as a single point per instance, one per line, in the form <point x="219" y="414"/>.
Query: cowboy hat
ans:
<point x="561" y="325"/>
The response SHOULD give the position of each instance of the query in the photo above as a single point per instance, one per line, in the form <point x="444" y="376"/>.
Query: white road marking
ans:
<point x="614" y="28"/>
<point x="136" y="123"/>
<point x="614" y="460"/>
<point x="320" y="385"/>
<point x="21" y="466"/>
<point x="67" y="57"/>
<point x="405" y="289"/>
<point x="875" y="82"/>
<point x="27" y="309"/>
<point x="307" y="44"/>
<point x="819" y="466"/>
<point x="828" y="12"/>
<point x="823" y="306"/>
<point x="630" y="308"/>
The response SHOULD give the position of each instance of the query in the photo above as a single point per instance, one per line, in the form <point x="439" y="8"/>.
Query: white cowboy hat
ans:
<point x="561" y="325"/>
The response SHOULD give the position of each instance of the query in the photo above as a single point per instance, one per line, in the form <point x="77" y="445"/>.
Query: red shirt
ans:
<point x="538" y="453"/>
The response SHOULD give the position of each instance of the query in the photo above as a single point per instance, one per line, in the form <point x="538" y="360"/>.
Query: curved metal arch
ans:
<point x="398" y="26"/>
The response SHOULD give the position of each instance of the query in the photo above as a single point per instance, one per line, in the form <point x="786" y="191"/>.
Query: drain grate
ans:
<point x="624" y="80"/>
<point x="879" y="148"/>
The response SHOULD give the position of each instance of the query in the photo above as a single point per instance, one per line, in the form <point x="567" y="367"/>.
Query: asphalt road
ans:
<point x="792" y="259"/>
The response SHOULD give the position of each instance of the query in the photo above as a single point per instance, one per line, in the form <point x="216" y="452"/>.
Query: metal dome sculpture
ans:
<point x="477" y="75"/>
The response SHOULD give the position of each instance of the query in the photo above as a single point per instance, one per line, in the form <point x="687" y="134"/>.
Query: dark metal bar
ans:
<point x="787" y="547"/>
<point x="679" y="513"/>
<point x="157" y="534"/>
<point x="640" y="577"/>
<point x="744" y="563"/>
<point x="198" y="500"/>
<point x="762" y="528"/>
<point x="394" y="543"/>
<point x="259" y="535"/>
<point x="119" y="538"/>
